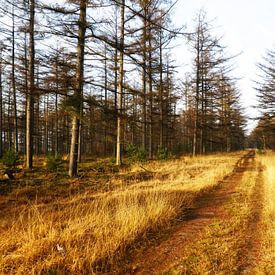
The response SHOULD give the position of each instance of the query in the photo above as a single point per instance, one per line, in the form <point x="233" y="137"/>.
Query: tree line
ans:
<point x="263" y="136"/>
<point x="92" y="77"/>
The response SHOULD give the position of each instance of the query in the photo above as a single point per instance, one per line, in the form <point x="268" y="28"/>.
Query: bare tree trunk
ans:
<point x="166" y="115"/>
<point x="26" y="80"/>
<point x="4" y="123"/>
<point x="134" y="114"/>
<point x="161" y="91"/>
<point x="15" y="133"/>
<point x="120" y="85"/>
<point x="9" y="121"/>
<point x="144" y="78"/>
<point x="105" y="101"/>
<point x="195" y="133"/>
<point x="116" y="77"/>
<point x="79" y="149"/>
<point x="203" y="112"/>
<point x="78" y="89"/>
<point x="36" y="116"/>
<point x="150" y="140"/>
<point x="74" y="147"/>
<point x="30" y="93"/>
<point x="1" y="104"/>
<point x="46" y="125"/>
<point x="56" y="147"/>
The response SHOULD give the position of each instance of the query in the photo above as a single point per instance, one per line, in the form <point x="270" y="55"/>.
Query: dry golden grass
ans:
<point x="92" y="230"/>
<point x="268" y="247"/>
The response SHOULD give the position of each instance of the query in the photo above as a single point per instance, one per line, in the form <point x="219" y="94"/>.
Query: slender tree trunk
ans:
<point x="134" y="113"/>
<point x="30" y="93"/>
<point x="26" y="80"/>
<point x="74" y="147"/>
<point x="202" y="119"/>
<point x="166" y="115"/>
<point x="9" y="121"/>
<point x="91" y="131"/>
<point x="1" y="105"/>
<point x="79" y="149"/>
<point x="228" y="134"/>
<point x="105" y="101"/>
<point x="74" y="152"/>
<point x="15" y="126"/>
<point x="161" y="91"/>
<point x="37" y="117"/>
<point x="195" y="133"/>
<point x="46" y="130"/>
<point x="144" y="78"/>
<point x="120" y="85"/>
<point x="56" y="147"/>
<point x="185" y="118"/>
<point x="150" y="140"/>
<point x="116" y="77"/>
<point x="4" y="129"/>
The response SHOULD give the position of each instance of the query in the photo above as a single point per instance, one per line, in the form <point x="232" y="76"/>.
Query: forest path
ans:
<point x="170" y="249"/>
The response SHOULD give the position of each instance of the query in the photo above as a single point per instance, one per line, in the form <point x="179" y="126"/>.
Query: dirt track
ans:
<point x="170" y="249"/>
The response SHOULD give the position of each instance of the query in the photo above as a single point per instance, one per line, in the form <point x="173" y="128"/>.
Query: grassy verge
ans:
<point x="267" y="262"/>
<point x="89" y="231"/>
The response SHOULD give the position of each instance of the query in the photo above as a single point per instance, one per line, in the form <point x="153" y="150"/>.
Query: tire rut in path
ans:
<point x="208" y="207"/>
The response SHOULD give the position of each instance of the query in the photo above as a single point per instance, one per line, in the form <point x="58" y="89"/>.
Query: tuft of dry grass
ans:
<point x="89" y="232"/>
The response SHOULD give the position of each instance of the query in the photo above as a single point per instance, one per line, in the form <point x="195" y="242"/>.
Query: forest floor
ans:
<point x="206" y="215"/>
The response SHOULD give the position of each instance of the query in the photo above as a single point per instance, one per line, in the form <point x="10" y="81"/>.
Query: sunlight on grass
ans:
<point x="268" y="253"/>
<point x="95" y="229"/>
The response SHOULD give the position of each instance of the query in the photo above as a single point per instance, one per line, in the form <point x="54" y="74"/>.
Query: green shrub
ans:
<point x="136" y="154"/>
<point x="163" y="153"/>
<point x="52" y="162"/>
<point x="10" y="159"/>
<point x="112" y="160"/>
<point x="261" y="151"/>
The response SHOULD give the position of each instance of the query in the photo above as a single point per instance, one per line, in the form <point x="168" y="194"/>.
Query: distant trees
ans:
<point x="263" y="135"/>
<point x="18" y="56"/>
<point x="212" y="111"/>
<point x="266" y="86"/>
<point x="146" y="36"/>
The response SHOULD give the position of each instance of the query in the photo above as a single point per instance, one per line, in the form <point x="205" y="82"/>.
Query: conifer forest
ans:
<point x="118" y="157"/>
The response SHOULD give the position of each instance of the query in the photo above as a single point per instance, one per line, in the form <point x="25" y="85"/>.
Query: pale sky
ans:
<point x="247" y="26"/>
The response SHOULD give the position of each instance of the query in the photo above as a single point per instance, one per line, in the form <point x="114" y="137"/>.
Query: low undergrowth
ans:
<point x="89" y="231"/>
